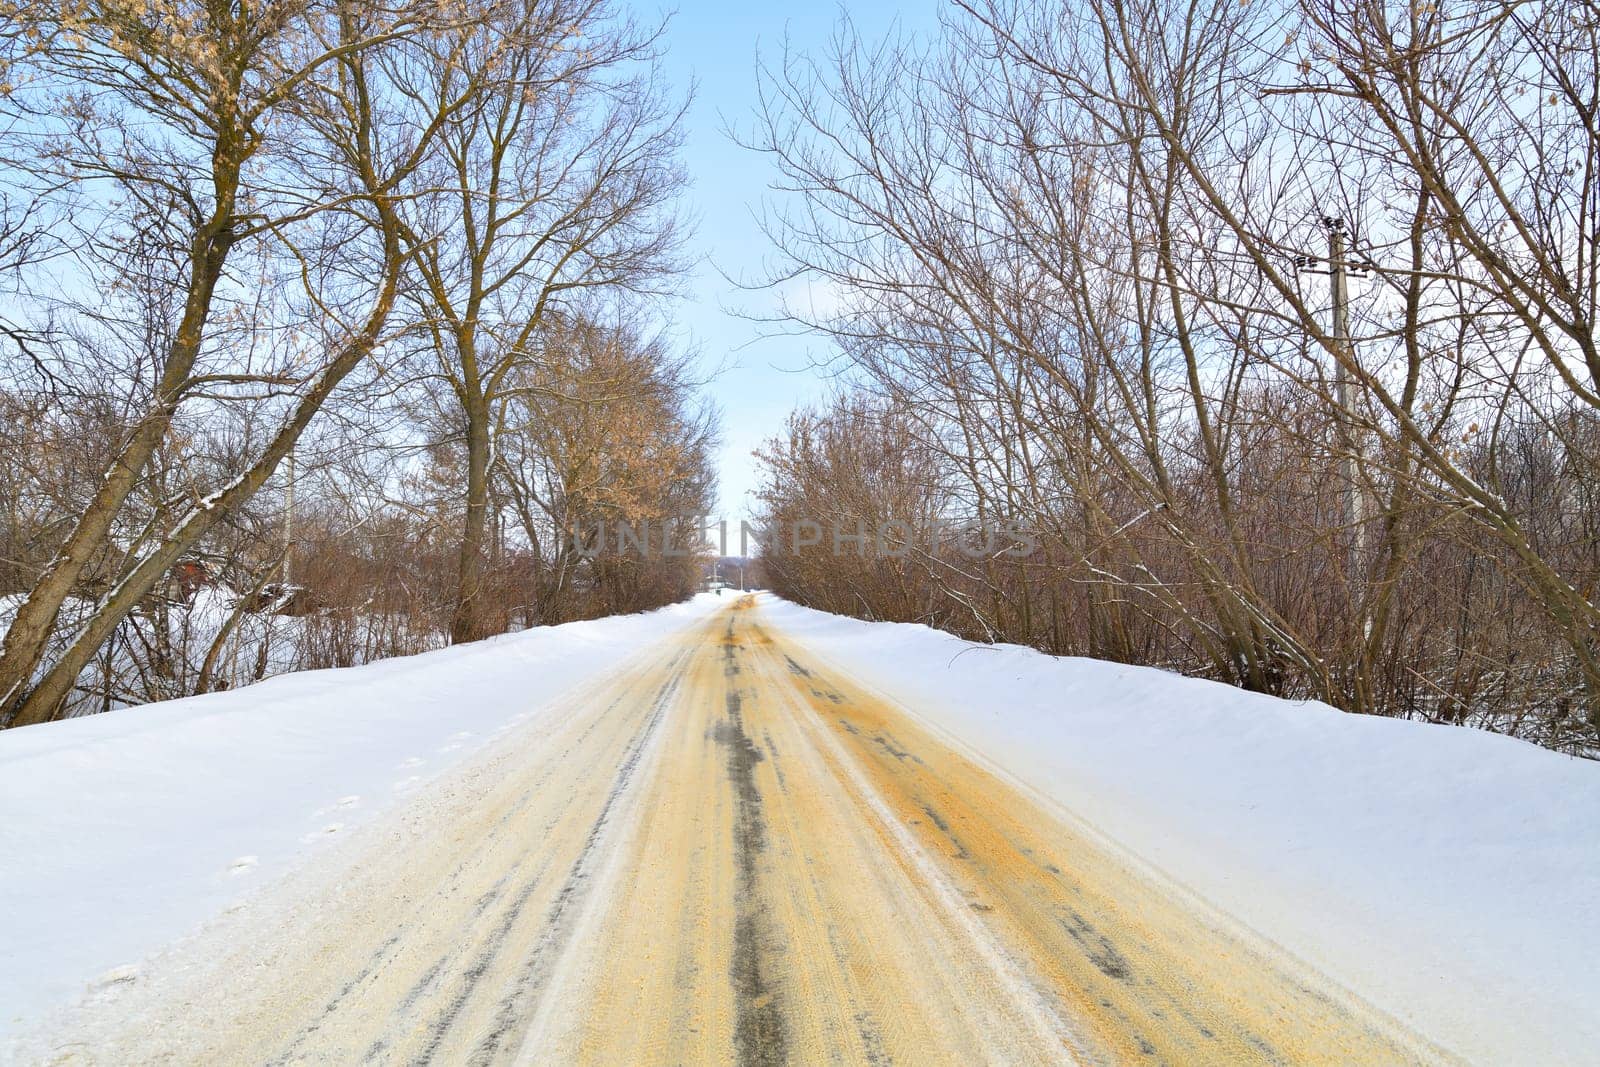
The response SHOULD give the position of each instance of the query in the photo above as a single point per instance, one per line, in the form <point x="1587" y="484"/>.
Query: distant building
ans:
<point x="186" y="579"/>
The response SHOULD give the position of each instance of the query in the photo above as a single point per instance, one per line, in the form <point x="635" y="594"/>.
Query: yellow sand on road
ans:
<point x="734" y="855"/>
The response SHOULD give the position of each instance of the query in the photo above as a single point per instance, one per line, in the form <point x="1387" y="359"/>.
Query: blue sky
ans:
<point x="715" y="43"/>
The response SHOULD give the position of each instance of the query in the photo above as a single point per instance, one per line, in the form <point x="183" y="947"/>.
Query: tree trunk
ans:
<point x="208" y="666"/>
<point x="467" y="622"/>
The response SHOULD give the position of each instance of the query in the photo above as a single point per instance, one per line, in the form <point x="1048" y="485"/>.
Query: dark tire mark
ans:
<point x="760" y="1034"/>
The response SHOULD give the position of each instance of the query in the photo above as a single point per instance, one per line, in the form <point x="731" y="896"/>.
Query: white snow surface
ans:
<point x="1451" y="876"/>
<point x="123" y="832"/>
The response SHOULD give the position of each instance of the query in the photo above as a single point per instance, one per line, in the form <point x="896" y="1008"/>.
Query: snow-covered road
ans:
<point x="724" y="847"/>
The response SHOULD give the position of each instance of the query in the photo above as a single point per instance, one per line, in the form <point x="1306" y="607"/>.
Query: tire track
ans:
<point x="517" y="1004"/>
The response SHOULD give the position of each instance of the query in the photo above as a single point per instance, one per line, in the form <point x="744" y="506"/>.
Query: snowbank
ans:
<point x="1451" y="875"/>
<point x="122" y="832"/>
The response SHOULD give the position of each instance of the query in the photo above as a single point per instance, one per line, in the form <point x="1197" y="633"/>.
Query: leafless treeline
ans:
<point x="363" y="282"/>
<point x="1066" y="246"/>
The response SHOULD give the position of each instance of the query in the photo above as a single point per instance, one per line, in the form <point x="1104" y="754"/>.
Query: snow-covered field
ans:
<point x="1451" y="875"/>
<point x="123" y="831"/>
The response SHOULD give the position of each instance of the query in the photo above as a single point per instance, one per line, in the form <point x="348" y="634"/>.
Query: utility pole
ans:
<point x="1344" y="389"/>
<point x="1344" y="396"/>
<point x="300" y="356"/>
<point x="288" y="521"/>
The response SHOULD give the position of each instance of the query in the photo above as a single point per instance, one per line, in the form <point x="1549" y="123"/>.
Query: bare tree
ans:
<point x="1080" y="250"/>
<point x="311" y="75"/>
<point x="182" y="110"/>
<point x="556" y="188"/>
<point x="603" y="435"/>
